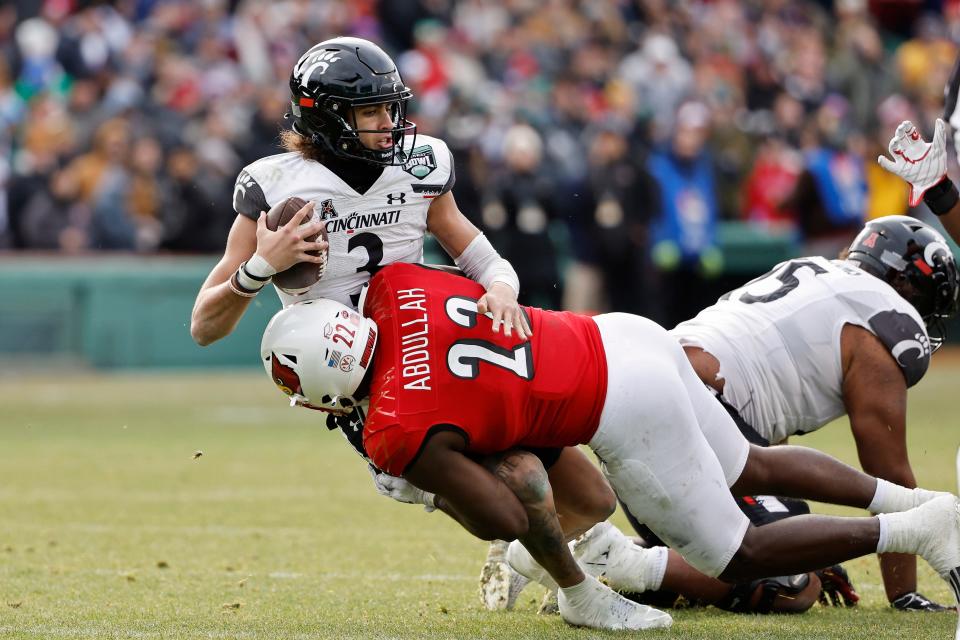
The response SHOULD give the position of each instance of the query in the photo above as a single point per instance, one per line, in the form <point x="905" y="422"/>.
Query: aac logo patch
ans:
<point x="327" y="210"/>
<point x="421" y="162"/>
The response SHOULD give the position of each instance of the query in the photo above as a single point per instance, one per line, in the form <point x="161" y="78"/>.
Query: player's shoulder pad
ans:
<point x="906" y="340"/>
<point x="430" y="163"/>
<point x="251" y="190"/>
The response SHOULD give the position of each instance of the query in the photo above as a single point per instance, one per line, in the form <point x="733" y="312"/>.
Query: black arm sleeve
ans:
<point x="906" y="341"/>
<point x="248" y="198"/>
<point x="453" y="177"/>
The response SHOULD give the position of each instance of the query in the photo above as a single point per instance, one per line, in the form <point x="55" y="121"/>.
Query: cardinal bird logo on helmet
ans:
<point x="284" y="376"/>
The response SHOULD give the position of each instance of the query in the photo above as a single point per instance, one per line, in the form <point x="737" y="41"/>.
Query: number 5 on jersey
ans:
<point x="464" y="356"/>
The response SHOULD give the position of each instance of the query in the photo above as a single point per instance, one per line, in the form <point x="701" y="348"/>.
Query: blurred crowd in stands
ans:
<point x="599" y="143"/>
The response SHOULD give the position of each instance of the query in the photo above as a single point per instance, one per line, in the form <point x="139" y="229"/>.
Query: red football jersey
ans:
<point x="440" y="365"/>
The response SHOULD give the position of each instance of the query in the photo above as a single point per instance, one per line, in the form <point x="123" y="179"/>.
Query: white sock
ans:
<point x="657" y="568"/>
<point x="892" y="498"/>
<point x="897" y="533"/>
<point x="524" y="564"/>
<point x="579" y="590"/>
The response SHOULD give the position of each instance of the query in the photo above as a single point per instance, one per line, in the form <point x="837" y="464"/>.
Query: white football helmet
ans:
<point x="317" y="352"/>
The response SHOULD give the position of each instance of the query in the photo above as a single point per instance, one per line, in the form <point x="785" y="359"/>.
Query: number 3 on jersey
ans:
<point x="464" y="356"/>
<point x="374" y="246"/>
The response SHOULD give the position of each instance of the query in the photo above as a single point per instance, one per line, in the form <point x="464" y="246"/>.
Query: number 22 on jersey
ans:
<point x="464" y="355"/>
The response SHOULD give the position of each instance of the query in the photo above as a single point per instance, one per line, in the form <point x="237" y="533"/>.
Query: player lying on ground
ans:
<point x="606" y="553"/>
<point x="815" y="339"/>
<point x="442" y="387"/>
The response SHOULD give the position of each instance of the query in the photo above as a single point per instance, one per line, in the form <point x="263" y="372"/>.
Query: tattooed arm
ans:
<point x="480" y="500"/>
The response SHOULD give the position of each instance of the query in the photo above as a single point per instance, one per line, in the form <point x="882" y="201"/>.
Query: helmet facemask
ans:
<point x="934" y="293"/>
<point x="333" y="126"/>
<point x="335" y="77"/>
<point x="916" y="261"/>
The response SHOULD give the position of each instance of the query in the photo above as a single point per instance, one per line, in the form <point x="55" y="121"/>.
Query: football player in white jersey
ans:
<point x="375" y="185"/>
<point x="789" y="352"/>
<point x="670" y="449"/>
<point x="816" y="339"/>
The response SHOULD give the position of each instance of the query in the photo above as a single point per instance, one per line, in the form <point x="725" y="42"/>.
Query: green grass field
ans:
<point x="110" y="528"/>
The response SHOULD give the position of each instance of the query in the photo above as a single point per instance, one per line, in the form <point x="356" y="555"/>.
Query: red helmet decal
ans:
<point x="368" y="348"/>
<point x="284" y="376"/>
<point x="871" y="240"/>
<point x="925" y="269"/>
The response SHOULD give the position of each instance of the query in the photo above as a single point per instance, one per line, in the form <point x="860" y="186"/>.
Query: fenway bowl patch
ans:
<point x="421" y="162"/>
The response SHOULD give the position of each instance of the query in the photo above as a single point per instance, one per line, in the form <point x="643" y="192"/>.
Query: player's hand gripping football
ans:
<point x="400" y="490"/>
<point x="286" y="246"/>
<point x="501" y="303"/>
<point x="921" y="163"/>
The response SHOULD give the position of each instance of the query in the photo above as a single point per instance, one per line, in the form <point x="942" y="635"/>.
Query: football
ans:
<point x="303" y="275"/>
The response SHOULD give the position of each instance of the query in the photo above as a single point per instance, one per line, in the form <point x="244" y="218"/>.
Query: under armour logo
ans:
<point x="401" y="198"/>
<point x="321" y="60"/>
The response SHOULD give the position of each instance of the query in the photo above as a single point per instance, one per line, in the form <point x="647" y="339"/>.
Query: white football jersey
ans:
<point x="366" y="231"/>
<point x="778" y="341"/>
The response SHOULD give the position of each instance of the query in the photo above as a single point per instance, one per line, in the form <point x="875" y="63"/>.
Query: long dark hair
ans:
<point x="293" y="141"/>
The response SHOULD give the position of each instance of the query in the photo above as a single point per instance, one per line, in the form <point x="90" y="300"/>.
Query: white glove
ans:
<point x="401" y="490"/>
<point x="920" y="163"/>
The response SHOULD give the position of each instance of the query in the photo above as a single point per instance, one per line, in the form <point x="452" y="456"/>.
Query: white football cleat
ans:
<point x="599" y="607"/>
<point x="500" y="585"/>
<point x="548" y="605"/>
<point x="956" y="591"/>
<point x="940" y="543"/>
<point x="605" y="552"/>
<point x="523" y="563"/>
<point x="938" y="525"/>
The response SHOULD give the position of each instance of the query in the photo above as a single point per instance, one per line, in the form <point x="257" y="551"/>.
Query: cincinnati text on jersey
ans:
<point x="414" y="341"/>
<point x="356" y="221"/>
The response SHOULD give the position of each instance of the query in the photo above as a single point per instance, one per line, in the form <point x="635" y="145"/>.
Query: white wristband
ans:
<point x="481" y="262"/>
<point x="259" y="268"/>
<point x="247" y="282"/>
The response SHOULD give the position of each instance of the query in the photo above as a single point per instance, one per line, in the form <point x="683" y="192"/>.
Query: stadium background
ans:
<point x="187" y="503"/>
<point x="636" y="155"/>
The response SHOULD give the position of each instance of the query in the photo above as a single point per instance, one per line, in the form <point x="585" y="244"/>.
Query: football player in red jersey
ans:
<point x="443" y="388"/>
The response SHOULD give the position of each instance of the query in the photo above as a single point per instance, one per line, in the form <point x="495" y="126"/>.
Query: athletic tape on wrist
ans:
<point x="481" y="262"/>
<point x="248" y="282"/>
<point x="259" y="269"/>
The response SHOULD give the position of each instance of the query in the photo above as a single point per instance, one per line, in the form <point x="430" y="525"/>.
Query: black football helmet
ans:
<point x="916" y="261"/>
<point x="336" y="75"/>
